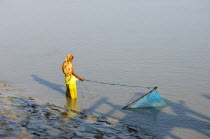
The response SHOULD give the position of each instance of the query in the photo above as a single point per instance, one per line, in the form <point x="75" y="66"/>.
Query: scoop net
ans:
<point x="150" y="99"/>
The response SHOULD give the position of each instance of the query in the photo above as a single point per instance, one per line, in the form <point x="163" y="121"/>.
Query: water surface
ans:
<point x="147" y="43"/>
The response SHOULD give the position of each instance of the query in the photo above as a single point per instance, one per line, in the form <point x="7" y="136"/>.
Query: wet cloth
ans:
<point x="71" y="90"/>
<point x="71" y="86"/>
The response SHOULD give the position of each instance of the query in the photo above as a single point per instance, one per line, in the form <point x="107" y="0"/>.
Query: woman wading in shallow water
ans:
<point x="70" y="77"/>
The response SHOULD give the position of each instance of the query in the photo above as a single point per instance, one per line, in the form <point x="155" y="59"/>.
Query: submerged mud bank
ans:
<point x="24" y="117"/>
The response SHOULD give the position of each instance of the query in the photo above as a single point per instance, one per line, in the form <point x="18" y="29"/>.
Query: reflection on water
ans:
<point x="22" y="117"/>
<point x="71" y="107"/>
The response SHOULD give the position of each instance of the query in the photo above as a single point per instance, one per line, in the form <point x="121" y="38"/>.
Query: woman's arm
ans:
<point x="77" y="76"/>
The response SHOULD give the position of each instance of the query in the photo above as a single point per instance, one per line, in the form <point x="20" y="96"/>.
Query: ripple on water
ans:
<point x="25" y="118"/>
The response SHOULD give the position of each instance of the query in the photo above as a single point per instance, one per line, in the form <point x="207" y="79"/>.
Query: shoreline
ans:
<point x="25" y="117"/>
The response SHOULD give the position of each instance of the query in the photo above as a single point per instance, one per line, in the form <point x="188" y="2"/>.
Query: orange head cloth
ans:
<point x="69" y="58"/>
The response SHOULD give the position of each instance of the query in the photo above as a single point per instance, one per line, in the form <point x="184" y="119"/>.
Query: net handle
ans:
<point x="140" y="98"/>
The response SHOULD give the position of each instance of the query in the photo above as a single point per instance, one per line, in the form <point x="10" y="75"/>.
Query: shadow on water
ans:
<point x="186" y="118"/>
<point x="206" y="96"/>
<point x="153" y="119"/>
<point x="158" y="120"/>
<point x="22" y="117"/>
<point x="56" y="87"/>
<point x="103" y="101"/>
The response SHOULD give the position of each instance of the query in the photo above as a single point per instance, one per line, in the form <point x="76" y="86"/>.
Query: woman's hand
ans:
<point x="81" y="79"/>
<point x="77" y="76"/>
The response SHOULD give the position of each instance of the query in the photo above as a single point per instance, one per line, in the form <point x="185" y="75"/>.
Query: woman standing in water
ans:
<point x="70" y="77"/>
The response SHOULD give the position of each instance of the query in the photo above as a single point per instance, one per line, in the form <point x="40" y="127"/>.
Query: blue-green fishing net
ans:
<point x="152" y="99"/>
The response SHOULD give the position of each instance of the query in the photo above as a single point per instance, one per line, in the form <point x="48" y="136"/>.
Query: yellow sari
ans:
<point x="71" y="86"/>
